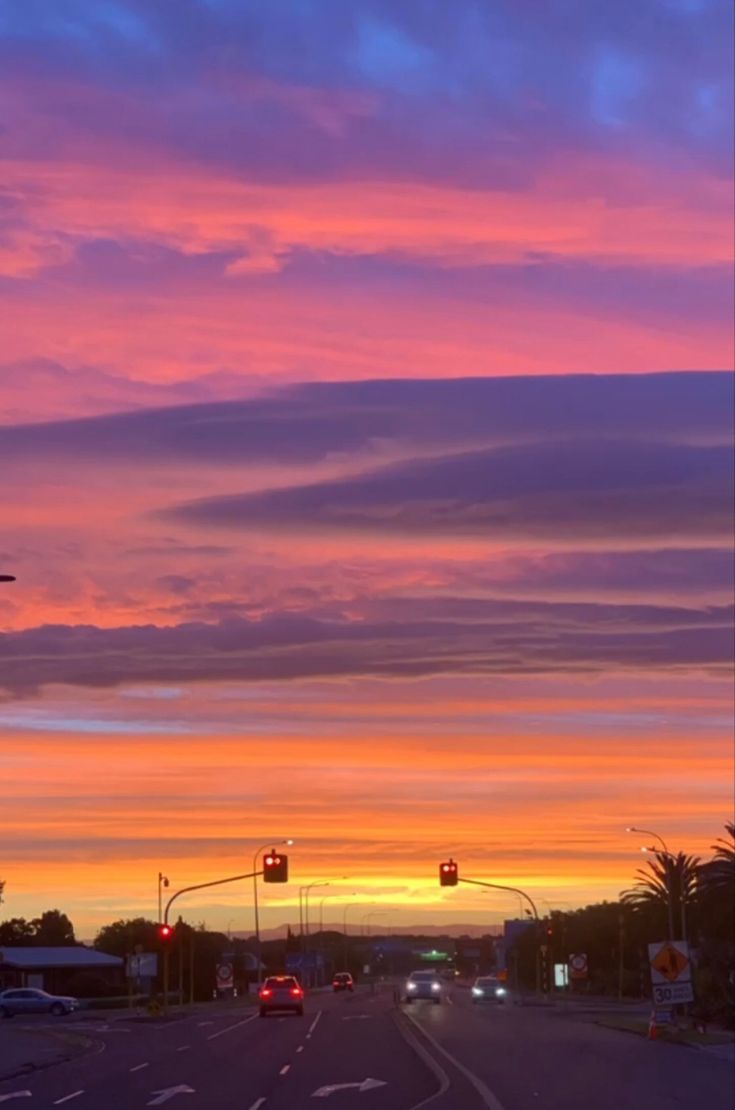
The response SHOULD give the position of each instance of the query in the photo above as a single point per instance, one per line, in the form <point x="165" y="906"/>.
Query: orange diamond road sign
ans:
<point x="670" y="961"/>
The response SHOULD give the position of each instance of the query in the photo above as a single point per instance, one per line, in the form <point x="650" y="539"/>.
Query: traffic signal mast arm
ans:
<point x="201" y="886"/>
<point x="512" y="889"/>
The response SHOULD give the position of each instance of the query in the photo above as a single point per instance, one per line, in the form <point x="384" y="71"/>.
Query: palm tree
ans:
<point x="720" y="870"/>
<point x="667" y="880"/>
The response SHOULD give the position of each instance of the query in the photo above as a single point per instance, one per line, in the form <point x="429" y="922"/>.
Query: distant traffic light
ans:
<point x="165" y="932"/>
<point x="275" y="867"/>
<point x="448" y="873"/>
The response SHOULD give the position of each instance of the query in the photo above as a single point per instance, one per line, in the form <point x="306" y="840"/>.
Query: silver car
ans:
<point x="489" y="988"/>
<point x="423" y="984"/>
<point x="281" y="992"/>
<point x="30" y="1000"/>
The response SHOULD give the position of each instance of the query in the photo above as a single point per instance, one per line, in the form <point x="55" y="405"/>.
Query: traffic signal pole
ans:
<point x="513" y="890"/>
<point x="172" y="899"/>
<point x="201" y="886"/>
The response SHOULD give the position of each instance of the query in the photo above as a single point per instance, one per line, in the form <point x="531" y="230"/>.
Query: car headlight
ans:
<point x="476" y="991"/>
<point x="411" y="986"/>
<point x="500" y="991"/>
<point x="435" y="987"/>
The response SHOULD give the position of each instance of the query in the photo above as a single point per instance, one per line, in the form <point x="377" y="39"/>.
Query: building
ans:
<point x="54" y="969"/>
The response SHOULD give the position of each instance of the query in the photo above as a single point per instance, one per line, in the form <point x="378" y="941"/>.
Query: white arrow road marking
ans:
<point x="15" y="1094"/>
<point x="366" y="1085"/>
<point x="170" y="1092"/>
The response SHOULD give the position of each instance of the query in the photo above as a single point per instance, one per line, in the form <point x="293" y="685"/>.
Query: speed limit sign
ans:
<point x="578" y="966"/>
<point x="225" y="976"/>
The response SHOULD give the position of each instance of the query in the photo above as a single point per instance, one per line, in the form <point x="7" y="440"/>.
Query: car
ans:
<point x="31" y="1000"/>
<point x="281" y="992"/>
<point x="488" y="988"/>
<point x="423" y="984"/>
<point x="343" y="981"/>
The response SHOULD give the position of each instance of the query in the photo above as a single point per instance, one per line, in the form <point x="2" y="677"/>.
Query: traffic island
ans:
<point x="672" y="1034"/>
<point x="24" y="1050"/>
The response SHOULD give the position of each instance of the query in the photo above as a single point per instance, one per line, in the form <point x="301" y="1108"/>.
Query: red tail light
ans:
<point x="296" y="992"/>
<point x="266" y="992"/>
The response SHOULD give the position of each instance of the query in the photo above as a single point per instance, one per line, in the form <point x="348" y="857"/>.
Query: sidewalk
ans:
<point x="25" y="1050"/>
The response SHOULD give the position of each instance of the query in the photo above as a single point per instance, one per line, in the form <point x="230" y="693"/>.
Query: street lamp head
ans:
<point x="289" y="842"/>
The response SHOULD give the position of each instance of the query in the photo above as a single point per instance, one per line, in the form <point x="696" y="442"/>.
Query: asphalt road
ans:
<point x="359" y="1051"/>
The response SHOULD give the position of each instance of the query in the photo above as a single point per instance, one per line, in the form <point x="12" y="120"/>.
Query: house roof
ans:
<point x="67" y="956"/>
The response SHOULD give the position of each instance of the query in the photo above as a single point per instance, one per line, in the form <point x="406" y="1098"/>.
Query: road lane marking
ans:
<point x="433" y="1065"/>
<point x="284" y="1069"/>
<point x="221" y="1032"/>
<point x="490" y="1100"/>
<point x="183" y="1047"/>
<point x="300" y="1048"/>
<point x="314" y="1023"/>
<point x="170" y="1092"/>
<point x="450" y="1001"/>
<point x="139" y="1067"/>
<point x="332" y="1088"/>
<point x="68" y="1098"/>
<point x="202" y="1023"/>
<point x="257" y="1104"/>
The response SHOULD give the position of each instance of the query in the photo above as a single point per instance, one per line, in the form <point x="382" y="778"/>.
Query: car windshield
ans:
<point x="487" y="983"/>
<point x="423" y="976"/>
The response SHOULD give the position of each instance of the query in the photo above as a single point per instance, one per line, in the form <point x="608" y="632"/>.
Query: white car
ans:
<point x="423" y="984"/>
<point x="30" y="1000"/>
<point x="488" y="988"/>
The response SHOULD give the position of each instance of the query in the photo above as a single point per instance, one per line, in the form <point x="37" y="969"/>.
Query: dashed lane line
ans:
<point x="183" y="1047"/>
<point x="314" y="1024"/>
<point x="257" y="1104"/>
<point x="284" y="1069"/>
<point x="68" y="1098"/>
<point x="139" y="1067"/>
<point x="229" y="1028"/>
<point x="300" y="1048"/>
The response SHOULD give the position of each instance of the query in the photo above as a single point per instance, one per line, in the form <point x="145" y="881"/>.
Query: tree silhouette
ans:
<point x="720" y="870"/>
<point x="665" y="877"/>
<point x="53" y="929"/>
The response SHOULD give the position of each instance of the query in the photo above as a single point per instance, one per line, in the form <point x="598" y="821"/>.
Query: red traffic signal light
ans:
<point x="448" y="873"/>
<point x="275" y="867"/>
<point x="165" y="932"/>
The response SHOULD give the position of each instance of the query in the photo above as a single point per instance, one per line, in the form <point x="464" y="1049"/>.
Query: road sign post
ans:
<point x="671" y="973"/>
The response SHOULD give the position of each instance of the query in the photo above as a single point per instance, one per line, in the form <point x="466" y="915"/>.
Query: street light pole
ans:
<point x="162" y="882"/>
<point x="667" y="858"/>
<point x="348" y="907"/>
<point x="374" y="913"/>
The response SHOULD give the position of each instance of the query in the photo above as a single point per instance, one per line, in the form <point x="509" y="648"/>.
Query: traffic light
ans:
<point x="165" y="933"/>
<point x="275" y="867"/>
<point x="448" y="874"/>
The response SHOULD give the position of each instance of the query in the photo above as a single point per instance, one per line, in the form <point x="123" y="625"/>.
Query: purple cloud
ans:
<point x="406" y="639"/>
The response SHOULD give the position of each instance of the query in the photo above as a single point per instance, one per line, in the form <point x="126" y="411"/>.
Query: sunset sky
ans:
<point x="366" y="442"/>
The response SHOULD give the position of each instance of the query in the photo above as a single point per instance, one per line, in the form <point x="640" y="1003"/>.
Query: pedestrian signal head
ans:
<point x="275" y="867"/>
<point x="448" y="873"/>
